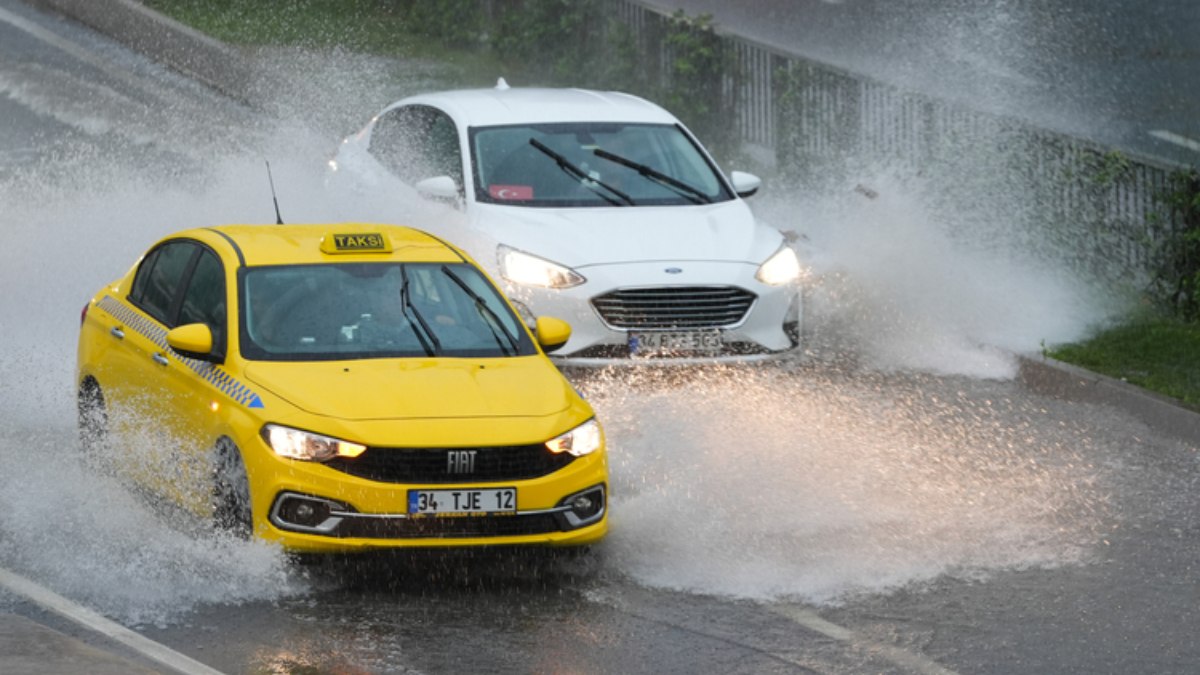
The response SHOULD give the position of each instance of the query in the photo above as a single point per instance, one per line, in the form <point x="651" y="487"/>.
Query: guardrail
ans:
<point x="1091" y="208"/>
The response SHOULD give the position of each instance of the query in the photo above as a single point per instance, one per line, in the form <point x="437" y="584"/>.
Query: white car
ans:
<point x="599" y="208"/>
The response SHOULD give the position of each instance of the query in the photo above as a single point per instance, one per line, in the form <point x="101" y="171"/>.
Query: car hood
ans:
<point x="379" y="389"/>
<point x="579" y="237"/>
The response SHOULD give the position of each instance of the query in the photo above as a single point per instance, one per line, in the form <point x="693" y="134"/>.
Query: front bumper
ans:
<point x="769" y="329"/>
<point x="312" y="508"/>
<point x="294" y="512"/>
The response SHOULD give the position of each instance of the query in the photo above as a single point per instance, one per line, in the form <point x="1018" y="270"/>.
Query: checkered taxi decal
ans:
<point x="209" y="372"/>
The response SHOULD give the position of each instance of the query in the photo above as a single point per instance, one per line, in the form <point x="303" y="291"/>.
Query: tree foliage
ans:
<point x="1177" y="279"/>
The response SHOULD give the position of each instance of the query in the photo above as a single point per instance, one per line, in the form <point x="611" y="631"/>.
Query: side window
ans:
<point x="443" y="151"/>
<point x="141" y="280"/>
<point x="156" y="285"/>
<point x="204" y="299"/>
<point x="417" y="142"/>
<point x="394" y="141"/>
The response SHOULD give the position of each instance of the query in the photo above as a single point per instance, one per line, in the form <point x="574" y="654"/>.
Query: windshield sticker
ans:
<point x="517" y="192"/>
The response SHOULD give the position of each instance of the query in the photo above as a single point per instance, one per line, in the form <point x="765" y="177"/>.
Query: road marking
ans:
<point x="76" y="51"/>
<point x="85" y="617"/>
<point x="1177" y="139"/>
<point x="905" y="659"/>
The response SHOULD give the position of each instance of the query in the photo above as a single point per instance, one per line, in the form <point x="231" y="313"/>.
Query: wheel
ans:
<point x="92" y="418"/>
<point x="231" y="491"/>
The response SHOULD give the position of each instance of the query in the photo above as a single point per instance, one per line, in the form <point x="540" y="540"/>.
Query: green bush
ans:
<point x="1177" y="277"/>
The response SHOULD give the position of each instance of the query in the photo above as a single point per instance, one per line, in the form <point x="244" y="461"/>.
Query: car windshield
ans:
<point x="591" y="164"/>
<point x="375" y="310"/>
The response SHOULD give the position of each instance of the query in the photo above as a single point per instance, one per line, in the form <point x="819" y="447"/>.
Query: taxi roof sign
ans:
<point x="355" y="242"/>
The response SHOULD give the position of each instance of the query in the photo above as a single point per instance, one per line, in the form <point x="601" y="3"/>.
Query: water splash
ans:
<point x="90" y="537"/>
<point x="819" y="486"/>
<point x="905" y="286"/>
<point x="813" y="485"/>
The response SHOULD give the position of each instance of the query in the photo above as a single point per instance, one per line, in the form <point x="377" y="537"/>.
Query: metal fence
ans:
<point x="1094" y="209"/>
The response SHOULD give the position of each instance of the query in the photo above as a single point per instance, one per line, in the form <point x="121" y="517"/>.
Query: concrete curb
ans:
<point x="1047" y="376"/>
<point x="162" y="39"/>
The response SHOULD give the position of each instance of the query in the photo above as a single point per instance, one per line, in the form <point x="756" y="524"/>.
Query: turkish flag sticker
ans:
<point x="511" y="191"/>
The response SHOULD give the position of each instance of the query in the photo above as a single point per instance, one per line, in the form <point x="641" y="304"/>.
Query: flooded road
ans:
<point x="896" y="503"/>
<point x="796" y="521"/>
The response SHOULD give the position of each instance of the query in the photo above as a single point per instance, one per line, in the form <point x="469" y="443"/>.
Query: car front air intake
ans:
<point x="674" y="307"/>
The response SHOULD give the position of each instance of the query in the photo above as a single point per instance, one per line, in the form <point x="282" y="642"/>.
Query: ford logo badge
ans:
<point x="673" y="270"/>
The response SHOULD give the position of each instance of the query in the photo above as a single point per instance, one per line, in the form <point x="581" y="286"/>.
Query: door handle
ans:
<point x="160" y="360"/>
<point x="116" y="332"/>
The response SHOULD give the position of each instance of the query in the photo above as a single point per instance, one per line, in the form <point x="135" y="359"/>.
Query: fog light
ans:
<point x="306" y="514"/>
<point x="584" y="507"/>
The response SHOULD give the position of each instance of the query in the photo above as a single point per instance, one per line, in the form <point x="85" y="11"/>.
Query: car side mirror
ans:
<point x="194" y="341"/>
<point x="552" y="333"/>
<point x="745" y="184"/>
<point x="439" y="188"/>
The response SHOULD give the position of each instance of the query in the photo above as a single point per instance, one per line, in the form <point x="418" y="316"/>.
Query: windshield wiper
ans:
<point x="489" y="316"/>
<point x="588" y="182"/>
<point x="684" y="190"/>
<point x="409" y="308"/>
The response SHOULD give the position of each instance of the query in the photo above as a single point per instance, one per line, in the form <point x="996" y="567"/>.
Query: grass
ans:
<point x="1159" y="354"/>
<point x="366" y="26"/>
<point x="355" y="24"/>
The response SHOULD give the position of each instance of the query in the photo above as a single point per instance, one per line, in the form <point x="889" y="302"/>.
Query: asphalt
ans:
<point x="89" y="645"/>
<point x="27" y="647"/>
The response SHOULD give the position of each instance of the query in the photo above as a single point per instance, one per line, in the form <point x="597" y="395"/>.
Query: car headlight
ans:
<point x="781" y="268"/>
<point x="582" y="440"/>
<point x="530" y="270"/>
<point x="305" y="445"/>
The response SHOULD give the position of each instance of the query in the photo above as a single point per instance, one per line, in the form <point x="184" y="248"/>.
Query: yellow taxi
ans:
<point x="340" y="388"/>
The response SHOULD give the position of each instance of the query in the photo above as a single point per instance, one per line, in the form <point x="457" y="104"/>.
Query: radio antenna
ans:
<point x="278" y="218"/>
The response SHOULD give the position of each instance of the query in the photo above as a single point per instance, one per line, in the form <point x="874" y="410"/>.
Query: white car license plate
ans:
<point x="682" y="342"/>
<point x="462" y="501"/>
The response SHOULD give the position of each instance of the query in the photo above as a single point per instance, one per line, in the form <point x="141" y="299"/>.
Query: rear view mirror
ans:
<point x="194" y="341"/>
<point x="745" y="184"/>
<point x="552" y="333"/>
<point x="442" y="188"/>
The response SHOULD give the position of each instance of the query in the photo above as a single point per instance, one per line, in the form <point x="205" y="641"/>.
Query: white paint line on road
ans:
<point x="905" y="659"/>
<point x="1178" y="139"/>
<point x="85" y="617"/>
<point x="73" y="50"/>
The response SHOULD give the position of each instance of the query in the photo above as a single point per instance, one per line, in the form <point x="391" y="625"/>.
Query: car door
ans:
<point x="171" y="397"/>
<point x="193" y="400"/>
<point x="133" y="373"/>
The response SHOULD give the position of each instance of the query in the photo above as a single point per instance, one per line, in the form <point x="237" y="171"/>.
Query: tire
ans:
<point x="230" y="491"/>
<point x="92" y="418"/>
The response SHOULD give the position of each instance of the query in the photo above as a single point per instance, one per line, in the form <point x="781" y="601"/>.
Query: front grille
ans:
<point x="465" y="526"/>
<point x="674" y="307"/>
<point x="432" y="465"/>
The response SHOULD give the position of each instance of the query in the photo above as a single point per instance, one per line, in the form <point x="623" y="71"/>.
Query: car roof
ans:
<point x="502" y="105"/>
<point x="315" y="243"/>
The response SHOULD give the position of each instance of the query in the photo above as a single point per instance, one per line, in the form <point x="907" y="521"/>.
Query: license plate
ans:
<point x="675" y="342"/>
<point x="462" y="501"/>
